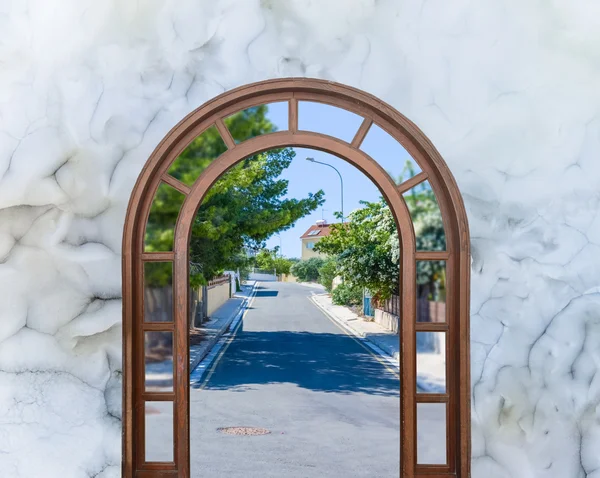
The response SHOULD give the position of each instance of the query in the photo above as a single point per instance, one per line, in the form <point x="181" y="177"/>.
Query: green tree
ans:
<point x="240" y="211"/>
<point x="267" y="259"/>
<point x="264" y="259"/>
<point x="367" y="248"/>
<point x="364" y="249"/>
<point x="282" y="265"/>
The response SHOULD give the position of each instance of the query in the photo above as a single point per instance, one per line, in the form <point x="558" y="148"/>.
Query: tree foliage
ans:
<point x="367" y="247"/>
<point x="347" y="294"/>
<point x="429" y="232"/>
<point x="267" y="259"/>
<point x="308" y="270"/>
<point x="327" y="272"/>
<point x="242" y="209"/>
<point x="364" y="248"/>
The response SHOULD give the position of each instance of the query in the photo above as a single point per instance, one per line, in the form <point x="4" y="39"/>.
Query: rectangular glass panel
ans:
<point x="431" y="291"/>
<point x="160" y="228"/>
<point x="158" y="292"/>
<point x="159" y="432"/>
<point x="327" y="119"/>
<point x="257" y="120"/>
<point x="431" y="433"/>
<point x="426" y="217"/>
<point x="158" y="359"/>
<point x="197" y="156"/>
<point x="390" y="154"/>
<point x="431" y="362"/>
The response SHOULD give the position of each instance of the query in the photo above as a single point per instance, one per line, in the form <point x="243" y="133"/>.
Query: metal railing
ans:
<point x="391" y="305"/>
<point x="219" y="280"/>
<point x="264" y="271"/>
<point x="427" y="310"/>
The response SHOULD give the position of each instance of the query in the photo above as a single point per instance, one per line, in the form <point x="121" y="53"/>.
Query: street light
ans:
<point x="312" y="160"/>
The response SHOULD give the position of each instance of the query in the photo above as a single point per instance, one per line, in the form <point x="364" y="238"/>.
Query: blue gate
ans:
<point x="367" y="309"/>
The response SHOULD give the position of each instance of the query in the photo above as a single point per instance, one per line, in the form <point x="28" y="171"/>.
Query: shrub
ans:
<point x="347" y="294"/>
<point x="307" y="271"/>
<point x="328" y="272"/>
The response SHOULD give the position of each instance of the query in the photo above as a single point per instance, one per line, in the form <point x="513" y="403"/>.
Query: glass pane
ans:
<point x="197" y="156"/>
<point x="160" y="229"/>
<point x="326" y="119"/>
<point x="431" y="362"/>
<point x="431" y="291"/>
<point x="431" y="433"/>
<point x="258" y="120"/>
<point x="158" y="348"/>
<point x="158" y="292"/>
<point x="159" y="432"/>
<point x="390" y="154"/>
<point x="427" y="218"/>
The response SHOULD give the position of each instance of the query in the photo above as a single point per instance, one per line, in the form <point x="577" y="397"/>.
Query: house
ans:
<point x="311" y="237"/>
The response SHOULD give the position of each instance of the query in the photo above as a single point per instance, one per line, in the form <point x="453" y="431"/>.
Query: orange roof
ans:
<point x="317" y="230"/>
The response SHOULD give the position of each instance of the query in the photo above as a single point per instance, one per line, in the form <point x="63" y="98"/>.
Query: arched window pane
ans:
<point x="390" y="154"/>
<point x="197" y="156"/>
<point x="158" y="351"/>
<point x="431" y="362"/>
<point x="329" y="120"/>
<point x="431" y="291"/>
<point x="257" y="120"/>
<point x="160" y="229"/>
<point x="427" y="218"/>
<point x="431" y="433"/>
<point x="159" y="431"/>
<point x="158" y="292"/>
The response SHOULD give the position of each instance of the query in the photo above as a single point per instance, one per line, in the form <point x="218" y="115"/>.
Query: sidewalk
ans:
<point x="218" y="324"/>
<point x="430" y="366"/>
<point x="375" y="333"/>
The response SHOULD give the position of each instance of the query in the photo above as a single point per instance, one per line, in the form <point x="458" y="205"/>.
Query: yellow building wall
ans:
<point x="308" y="253"/>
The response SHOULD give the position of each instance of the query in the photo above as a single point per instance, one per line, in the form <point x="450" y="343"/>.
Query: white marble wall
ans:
<point x="508" y="91"/>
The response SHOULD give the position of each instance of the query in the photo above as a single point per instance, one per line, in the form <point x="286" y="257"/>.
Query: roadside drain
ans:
<point x="243" y="431"/>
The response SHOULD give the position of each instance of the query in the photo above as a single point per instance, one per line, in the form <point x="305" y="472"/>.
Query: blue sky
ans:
<point x="305" y="177"/>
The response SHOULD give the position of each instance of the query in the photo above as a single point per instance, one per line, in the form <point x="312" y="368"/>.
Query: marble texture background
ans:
<point x="508" y="91"/>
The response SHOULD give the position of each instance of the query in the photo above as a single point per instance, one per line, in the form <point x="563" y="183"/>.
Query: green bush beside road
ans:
<point x="307" y="271"/>
<point x="346" y="294"/>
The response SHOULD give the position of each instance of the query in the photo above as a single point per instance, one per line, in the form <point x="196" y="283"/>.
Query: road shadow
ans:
<point x="267" y="293"/>
<point x="325" y="362"/>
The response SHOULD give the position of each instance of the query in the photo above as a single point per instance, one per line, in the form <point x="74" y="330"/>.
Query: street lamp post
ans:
<point x="312" y="160"/>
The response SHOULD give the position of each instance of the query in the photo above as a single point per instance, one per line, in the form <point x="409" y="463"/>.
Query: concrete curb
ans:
<point x="213" y="340"/>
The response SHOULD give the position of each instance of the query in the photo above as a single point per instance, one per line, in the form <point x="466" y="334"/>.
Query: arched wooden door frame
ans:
<point x="434" y="170"/>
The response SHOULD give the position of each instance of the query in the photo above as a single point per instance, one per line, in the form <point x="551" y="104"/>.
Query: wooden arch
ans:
<point x="434" y="169"/>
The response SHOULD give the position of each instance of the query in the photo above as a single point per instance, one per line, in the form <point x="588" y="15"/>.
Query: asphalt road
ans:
<point x="331" y="406"/>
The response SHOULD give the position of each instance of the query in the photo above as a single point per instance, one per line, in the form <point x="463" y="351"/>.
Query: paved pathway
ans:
<point x="218" y="323"/>
<point x="332" y="407"/>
